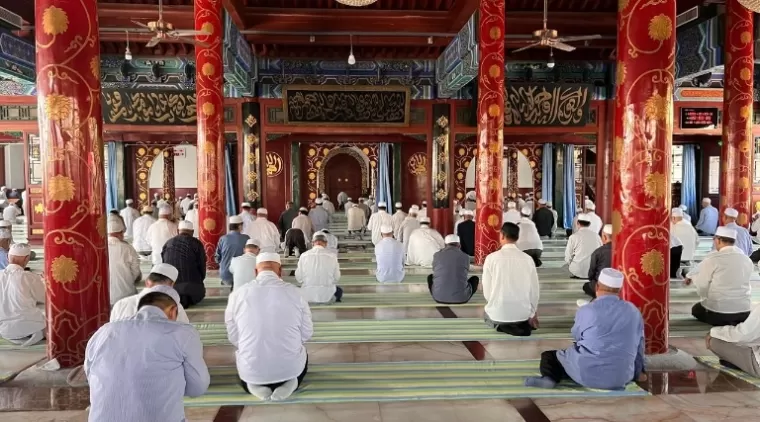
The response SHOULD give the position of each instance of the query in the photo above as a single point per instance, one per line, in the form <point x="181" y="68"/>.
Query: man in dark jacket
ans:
<point x="449" y="283"/>
<point x="600" y="259"/>
<point x="286" y="219"/>
<point x="186" y="254"/>
<point x="466" y="232"/>
<point x="544" y="219"/>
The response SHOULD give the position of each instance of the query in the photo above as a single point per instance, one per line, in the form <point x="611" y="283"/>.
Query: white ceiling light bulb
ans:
<point x="127" y="53"/>
<point x="550" y="63"/>
<point x="351" y="58"/>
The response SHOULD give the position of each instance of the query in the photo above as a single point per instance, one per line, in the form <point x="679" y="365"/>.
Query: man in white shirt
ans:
<point x="423" y="244"/>
<point x="596" y="221"/>
<point x="510" y="286"/>
<point x="123" y="263"/>
<point x="379" y="219"/>
<point x="686" y="215"/>
<point x="243" y="267"/>
<point x="264" y="231"/>
<point x="743" y="238"/>
<point x="423" y="211"/>
<point x="327" y="205"/>
<point x="303" y="222"/>
<point x="318" y="273"/>
<point x="686" y="233"/>
<point x="161" y="279"/>
<point x="160" y="232"/>
<point x="529" y="241"/>
<point x="332" y="241"/>
<point x="551" y="208"/>
<point x="192" y="216"/>
<point x="389" y="254"/>
<point x="185" y="203"/>
<point x="580" y="246"/>
<point x="398" y="217"/>
<point x="342" y="199"/>
<point x="140" y="231"/>
<point x="410" y="224"/>
<point x="738" y="346"/>
<point x="11" y="213"/>
<point x="357" y="221"/>
<point x="722" y="282"/>
<point x="21" y="322"/>
<point x="129" y="215"/>
<point x="347" y="206"/>
<point x="511" y="215"/>
<point x="246" y="213"/>
<point x="268" y="321"/>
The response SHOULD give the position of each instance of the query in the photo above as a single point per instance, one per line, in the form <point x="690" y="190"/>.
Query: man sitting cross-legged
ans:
<point x="268" y="321"/>
<point x="580" y="246"/>
<point x="600" y="259"/>
<point x="449" y="283"/>
<point x="161" y="279"/>
<point x="608" y="349"/>
<point x="738" y="346"/>
<point x="243" y="267"/>
<point x="318" y="272"/>
<point x="21" y="322"/>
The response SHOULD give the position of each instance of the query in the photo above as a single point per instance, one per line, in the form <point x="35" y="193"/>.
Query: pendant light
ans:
<point x="351" y="58"/>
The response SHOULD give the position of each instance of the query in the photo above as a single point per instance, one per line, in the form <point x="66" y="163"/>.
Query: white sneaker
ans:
<point x="582" y="302"/>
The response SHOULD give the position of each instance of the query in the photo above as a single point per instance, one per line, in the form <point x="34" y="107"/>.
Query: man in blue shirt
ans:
<point x="230" y="246"/>
<point x="5" y="245"/>
<point x="708" y="218"/>
<point x="608" y="349"/>
<point x="743" y="238"/>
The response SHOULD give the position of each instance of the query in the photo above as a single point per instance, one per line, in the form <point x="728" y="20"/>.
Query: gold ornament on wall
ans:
<point x="274" y="164"/>
<point x="417" y="164"/>
<point x="64" y="269"/>
<point x="653" y="263"/>
<point x="654" y="185"/>
<point x="61" y="188"/>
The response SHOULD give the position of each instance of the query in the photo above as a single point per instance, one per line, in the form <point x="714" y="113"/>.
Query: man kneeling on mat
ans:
<point x="608" y="349"/>
<point x="738" y="346"/>
<point x="268" y="322"/>
<point x="449" y="283"/>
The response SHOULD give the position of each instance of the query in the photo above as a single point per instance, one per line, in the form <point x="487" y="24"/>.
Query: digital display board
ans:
<point x="699" y="118"/>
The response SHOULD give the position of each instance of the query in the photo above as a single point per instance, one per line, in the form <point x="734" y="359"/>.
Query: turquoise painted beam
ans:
<point x="458" y="64"/>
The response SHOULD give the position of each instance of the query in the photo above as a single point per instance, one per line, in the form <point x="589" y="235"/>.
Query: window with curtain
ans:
<point x="756" y="165"/>
<point x="676" y="168"/>
<point x="713" y="185"/>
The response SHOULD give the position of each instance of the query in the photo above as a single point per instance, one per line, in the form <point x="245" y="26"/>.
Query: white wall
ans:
<point x="524" y="173"/>
<point x="14" y="166"/>
<point x="185" y="169"/>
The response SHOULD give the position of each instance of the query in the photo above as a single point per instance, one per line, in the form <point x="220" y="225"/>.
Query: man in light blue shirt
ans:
<point x="5" y="246"/>
<point x="708" y="218"/>
<point x="145" y="380"/>
<point x="231" y="245"/>
<point x="608" y="349"/>
<point x="389" y="254"/>
<point x="743" y="238"/>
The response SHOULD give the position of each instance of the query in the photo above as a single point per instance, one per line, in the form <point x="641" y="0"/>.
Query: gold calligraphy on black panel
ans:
<point x="347" y="106"/>
<point x="547" y="104"/>
<point x="125" y="106"/>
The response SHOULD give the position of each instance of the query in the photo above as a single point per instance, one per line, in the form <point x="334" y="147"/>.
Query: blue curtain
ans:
<point x="568" y="200"/>
<point x="229" y="187"/>
<point x="547" y="182"/>
<point x="689" y="184"/>
<point x="112" y="179"/>
<point x="383" y="177"/>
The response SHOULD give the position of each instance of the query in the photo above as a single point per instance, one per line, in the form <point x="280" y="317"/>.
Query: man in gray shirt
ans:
<point x="449" y="283"/>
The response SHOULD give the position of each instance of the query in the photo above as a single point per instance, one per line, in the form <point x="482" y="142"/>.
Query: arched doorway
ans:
<point x="344" y="174"/>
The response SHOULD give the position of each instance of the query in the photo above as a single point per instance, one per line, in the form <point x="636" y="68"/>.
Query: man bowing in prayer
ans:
<point x="708" y="218"/>
<point x="608" y="337"/>
<point x="129" y="215"/>
<point x="264" y="231"/>
<point x="230" y="245"/>
<point x="377" y="220"/>
<point x="465" y="231"/>
<point x="303" y="222"/>
<point x="186" y="254"/>
<point x="389" y="254"/>
<point x="123" y="263"/>
<point x="580" y="246"/>
<point x="318" y="272"/>
<point x="320" y="218"/>
<point x="423" y="244"/>
<point x="161" y="279"/>
<point x="140" y="240"/>
<point x="160" y="232"/>
<point x="21" y="322"/>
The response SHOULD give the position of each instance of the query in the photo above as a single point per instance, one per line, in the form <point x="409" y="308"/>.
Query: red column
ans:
<point x="68" y="95"/>
<point x="490" y="128"/>
<point x="641" y="169"/>
<point x="210" y="106"/>
<point x="736" y="152"/>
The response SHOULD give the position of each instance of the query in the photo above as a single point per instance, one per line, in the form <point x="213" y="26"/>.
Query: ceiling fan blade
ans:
<point x="562" y="46"/>
<point x="186" y="33"/>
<point x="141" y="24"/>
<point x="153" y="42"/>
<point x="535" y="44"/>
<point x="579" y="38"/>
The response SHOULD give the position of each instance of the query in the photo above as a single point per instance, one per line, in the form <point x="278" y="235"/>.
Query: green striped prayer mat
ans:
<point x="713" y="362"/>
<point x="396" y="381"/>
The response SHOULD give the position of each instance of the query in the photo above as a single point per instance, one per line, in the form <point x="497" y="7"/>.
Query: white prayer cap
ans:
<point x="542" y="201"/>
<point x="607" y="229"/>
<point x="549" y="203"/>
<point x="236" y="219"/>
<point x="267" y="257"/>
<point x="147" y="208"/>
<point x="425" y="220"/>
<point x="471" y="195"/>
<point x="165" y="210"/>
<point x="4" y="223"/>
<point x="324" y="195"/>
<point x="115" y="225"/>
<point x="590" y="205"/>
<point x="724" y="231"/>
<point x="185" y="225"/>
<point x="129" y="202"/>
<point x="424" y="203"/>
<point x="318" y="234"/>
<point x="684" y="207"/>
<point x="706" y="200"/>
<point x="511" y="205"/>
<point x="415" y="207"/>
<point x="381" y="205"/>
<point x="166" y="270"/>
<point x="583" y="217"/>
<point x="469" y="212"/>
<point x="245" y="205"/>
<point x="318" y="201"/>
<point x="525" y="211"/>
<point x="413" y="210"/>
<point x="731" y="212"/>
<point x="303" y="209"/>
<point x="252" y="242"/>
<point x="398" y="205"/>
<point x="676" y="212"/>
<point x="20" y="249"/>
<point x="611" y="278"/>
<point x="354" y="205"/>
<point x="262" y="211"/>
<point x="161" y="288"/>
<point x="463" y="211"/>
<point x="349" y="198"/>
<point x="452" y="238"/>
<point x="386" y="229"/>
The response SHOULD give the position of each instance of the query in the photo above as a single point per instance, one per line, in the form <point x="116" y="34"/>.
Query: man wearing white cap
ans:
<point x="160" y="232"/>
<point x="348" y="205"/>
<point x="140" y="240"/>
<point x="140" y="368"/>
<point x="423" y="244"/>
<point x="529" y="240"/>
<point x="21" y="322"/>
<point x="398" y="217"/>
<point x="356" y="220"/>
<point x="743" y="238"/>
<point x="161" y="279"/>
<point x="449" y="283"/>
<point x="11" y="213"/>
<point x="243" y="267"/>
<point x="378" y="219"/>
<point x="303" y="222"/>
<point x="230" y="245"/>
<point x="318" y="272"/>
<point x="520" y="201"/>
<point x="129" y="214"/>
<point x="410" y="224"/>
<point x="365" y="208"/>
<point x="268" y="322"/>
<point x="465" y="230"/>
<point x="192" y="217"/>
<point x="184" y="204"/>
<point x="422" y="213"/>
<point x="320" y="218"/>
<point x="389" y="254"/>
<point x="246" y="213"/>
<point x="470" y="201"/>
<point x="608" y="337"/>
<point x="580" y="246"/>
<point x="511" y="215"/>
<point x="550" y="206"/>
<point x="285" y="222"/>
<point x="544" y="220"/>
<point x="332" y="241"/>
<point x="186" y="253"/>
<point x="529" y="202"/>
<point x="342" y="199"/>
<point x="685" y="233"/>
<point x="5" y="246"/>
<point x="722" y="280"/>
<point x="371" y="204"/>
<point x="264" y="231"/>
<point x="123" y="263"/>
<point x="327" y="204"/>
<point x="600" y="259"/>
<point x="708" y="218"/>
<point x="596" y="221"/>
<point x="686" y="215"/>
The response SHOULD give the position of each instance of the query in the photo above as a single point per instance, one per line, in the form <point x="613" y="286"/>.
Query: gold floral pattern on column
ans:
<point x="251" y="150"/>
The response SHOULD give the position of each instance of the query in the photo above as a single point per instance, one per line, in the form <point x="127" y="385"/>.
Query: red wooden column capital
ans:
<point x="210" y="105"/>
<point x="641" y="168"/>
<point x="490" y="128"/>
<point x="736" y="151"/>
<point x="70" y="121"/>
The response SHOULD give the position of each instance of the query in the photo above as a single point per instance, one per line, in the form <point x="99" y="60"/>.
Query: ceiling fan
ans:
<point x="164" y="31"/>
<point x="550" y="37"/>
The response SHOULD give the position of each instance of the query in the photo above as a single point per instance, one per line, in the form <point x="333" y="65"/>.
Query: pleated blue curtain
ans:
<point x="230" y="202"/>
<point x="383" y="176"/>
<point x="568" y="199"/>
<point x="689" y="183"/>
<point x="547" y="171"/>
<point x="112" y="178"/>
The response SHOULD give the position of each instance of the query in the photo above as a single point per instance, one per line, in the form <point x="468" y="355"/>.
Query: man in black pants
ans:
<point x="600" y="259"/>
<point x="676" y="250"/>
<point x="449" y="283"/>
